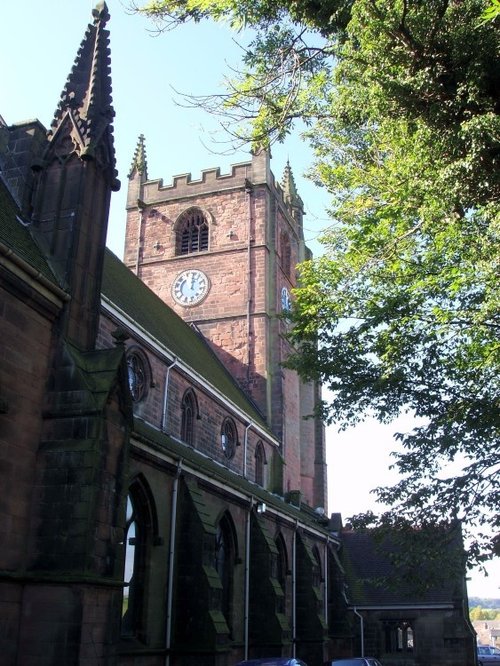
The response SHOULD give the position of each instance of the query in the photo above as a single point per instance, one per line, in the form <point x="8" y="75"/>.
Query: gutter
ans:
<point x="22" y="269"/>
<point x="445" y="605"/>
<point x="142" y="444"/>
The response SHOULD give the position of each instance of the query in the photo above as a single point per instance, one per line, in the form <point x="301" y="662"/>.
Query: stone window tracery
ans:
<point x="260" y="462"/>
<point x="229" y="437"/>
<point x="399" y="636"/>
<point x="281" y="571"/>
<point x="224" y="559"/>
<point x="137" y="370"/>
<point x="188" y="414"/>
<point x="286" y="254"/>
<point x="192" y="232"/>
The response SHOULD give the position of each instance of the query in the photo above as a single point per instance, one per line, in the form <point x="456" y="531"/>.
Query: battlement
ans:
<point x="241" y="175"/>
<point x="184" y="185"/>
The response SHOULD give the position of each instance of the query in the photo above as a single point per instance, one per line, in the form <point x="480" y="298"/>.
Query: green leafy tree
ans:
<point x="401" y="102"/>
<point x="492" y="11"/>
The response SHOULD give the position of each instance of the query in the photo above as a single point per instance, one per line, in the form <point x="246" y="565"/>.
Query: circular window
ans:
<point x="229" y="438"/>
<point x="136" y="376"/>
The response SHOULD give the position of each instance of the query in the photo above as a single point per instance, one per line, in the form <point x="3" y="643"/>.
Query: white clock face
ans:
<point x="190" y="287"/>
<point x="286" y="302"/>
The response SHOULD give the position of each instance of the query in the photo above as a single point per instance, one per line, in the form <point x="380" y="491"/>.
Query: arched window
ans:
<point x="224" y="559"/>
<point x="260" y="461"/>
<point x="316" y="571"/>
<point x="192" y="232"/>
<point x="229" y="437"/>
<point x="399" y="636"/>
<point x="286" y="254"/>
<point x="139" y="527"/>
<point x="281" y="570"/>
<point x="189" y="409"/>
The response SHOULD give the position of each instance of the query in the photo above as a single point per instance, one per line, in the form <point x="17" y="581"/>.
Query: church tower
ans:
<point x="222" y="252"/>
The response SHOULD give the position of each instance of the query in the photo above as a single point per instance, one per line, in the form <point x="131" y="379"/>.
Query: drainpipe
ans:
<point x="245" y="450"/>
<point x="362" y="627"/>
<point x="247" y="575"/>
<point x="248" y="190"/>
<point x="140" y="205"/>
<point x="164" y="416"/>
<point x="325" y="576"/>
<point x="171" y="562"/>
<point x="294" y="591"/>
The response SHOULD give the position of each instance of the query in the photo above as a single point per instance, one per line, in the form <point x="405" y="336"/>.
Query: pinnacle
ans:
<point x="139" y="161"/>
<point x="289" y="187"/>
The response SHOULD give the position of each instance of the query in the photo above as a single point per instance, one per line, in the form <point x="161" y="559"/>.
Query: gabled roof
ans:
<point x="128" y="293"/>
<point x="377" y="575"/>
<point x="96" y="373"/>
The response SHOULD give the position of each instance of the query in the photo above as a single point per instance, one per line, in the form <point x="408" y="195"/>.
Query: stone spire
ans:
<point x="74" y="180"/>
<point x="139" y="161"/>
<point x="290" y="189"/>
<point x="86" y="98"/>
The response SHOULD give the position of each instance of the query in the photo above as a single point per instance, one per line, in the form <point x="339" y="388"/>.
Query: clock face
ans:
<point x="190" y="287"/>
<point x="286" y="302"/>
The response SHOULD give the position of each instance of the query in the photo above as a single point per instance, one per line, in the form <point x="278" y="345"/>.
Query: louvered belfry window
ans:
<point x="192" y="233"/>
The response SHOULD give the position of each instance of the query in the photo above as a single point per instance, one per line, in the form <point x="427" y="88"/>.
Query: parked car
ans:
<point x="273" y="661"/>
<point x="487" y="655"/>
<point x="355" y="661"/>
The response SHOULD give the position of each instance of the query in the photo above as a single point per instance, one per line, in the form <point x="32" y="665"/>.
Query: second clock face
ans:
<point x="286" y="301"/>
<point x="190" y="287"/>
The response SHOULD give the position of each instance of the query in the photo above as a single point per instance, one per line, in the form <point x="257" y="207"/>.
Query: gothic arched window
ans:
<point x="192" y="232"/>
<point x="260" y="461"/>
<point x="316" y="571"/>
<point x="189" y="411"/>
<point x="139" y="527"/>
<point x="286" y="254"/>
<point x="224" y="564"/>
<point x="281" y="570"/>
<point x="399" y="636"/>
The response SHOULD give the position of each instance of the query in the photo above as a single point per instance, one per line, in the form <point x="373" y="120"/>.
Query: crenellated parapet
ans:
<point x="241" y="176"/>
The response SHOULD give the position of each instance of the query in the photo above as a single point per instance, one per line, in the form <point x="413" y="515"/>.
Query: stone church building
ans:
<point x="164" y="496"/>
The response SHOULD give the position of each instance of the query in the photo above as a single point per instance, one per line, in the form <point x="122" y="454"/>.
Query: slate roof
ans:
<point x="136" y="300"/>
<point x="125" y="290"/>
<point x="374" y="579"/>
<point x="17" y="236"/>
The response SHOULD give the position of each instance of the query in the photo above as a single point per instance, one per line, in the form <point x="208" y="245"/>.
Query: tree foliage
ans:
<point x="479" y="613"/>
<point x="401" y="100"/>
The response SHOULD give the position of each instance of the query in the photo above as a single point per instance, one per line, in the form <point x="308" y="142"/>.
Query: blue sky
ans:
<point x="38" y="44"/>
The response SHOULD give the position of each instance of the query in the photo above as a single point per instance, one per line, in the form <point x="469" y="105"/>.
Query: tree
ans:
<point x="401" y="101"/>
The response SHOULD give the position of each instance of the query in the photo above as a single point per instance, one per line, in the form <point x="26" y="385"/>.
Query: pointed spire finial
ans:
<point x="86" y="97"/>
<point x="139" y="161"/>
<point x="100" y="12"/>
<point x="289" y="188"/>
